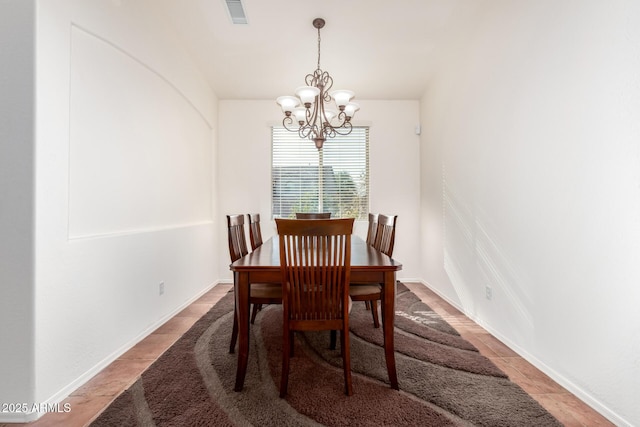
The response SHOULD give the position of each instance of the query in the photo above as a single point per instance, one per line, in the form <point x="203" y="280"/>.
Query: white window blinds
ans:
<point x="334" y="179"/>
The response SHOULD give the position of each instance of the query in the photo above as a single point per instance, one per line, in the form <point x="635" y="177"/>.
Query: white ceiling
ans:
<point x="379" y="49"/>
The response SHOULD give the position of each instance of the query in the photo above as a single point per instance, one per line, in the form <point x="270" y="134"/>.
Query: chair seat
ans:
<point x="266" y="291"/>
<point x="362" y="290"/>
<point x="370" y="294"/>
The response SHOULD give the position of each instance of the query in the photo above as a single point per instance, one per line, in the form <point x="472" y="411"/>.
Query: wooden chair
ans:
<point x="260" y="293"/>
<point x="315" y="261"/>
<point x="313" y="215"/>
<point x="371" y="238"/>
<point x="384" y="240"/>
<point x="373" y="229"/>
<point x="386" y="234"/>
<point x="255" y="233"/>
<point x="255" y="237"/>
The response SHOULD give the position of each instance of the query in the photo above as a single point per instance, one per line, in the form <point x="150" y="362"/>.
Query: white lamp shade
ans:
<point x="301" y="114"/>
<point x="288" y="103"/>
<point x="330" y="114"/>
<point x="351" y="108"/>
<point x="307" y="94"/>
<point x="342" y="97"/>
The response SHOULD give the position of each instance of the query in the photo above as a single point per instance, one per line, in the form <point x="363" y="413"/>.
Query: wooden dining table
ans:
<point x="368" y="265"/>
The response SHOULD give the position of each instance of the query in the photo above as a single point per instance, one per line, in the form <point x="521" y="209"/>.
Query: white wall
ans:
<point x="245" y="169"/>
<point x="17" y="144"/>
<point x="531" y="150"/>
<point x="126" y="134"/>
<point x="526" y="179"/>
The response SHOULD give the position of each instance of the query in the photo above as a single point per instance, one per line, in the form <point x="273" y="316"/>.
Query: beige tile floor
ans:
<point x="89" y="400"/>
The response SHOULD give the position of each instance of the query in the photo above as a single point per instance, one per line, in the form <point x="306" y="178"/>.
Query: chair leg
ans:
<point x="374" y="312"/>
<point x="333" y="340"/>
<point x="286" y="351"/>
<point x="256" y="308"/>
<point x="346" y="360"/>
<point x="366" y="305"/>
<point x="234" y="332"/>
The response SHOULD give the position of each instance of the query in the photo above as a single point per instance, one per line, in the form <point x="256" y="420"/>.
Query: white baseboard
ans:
<point x="547" y="370"/>
<point x="55" y="400"/>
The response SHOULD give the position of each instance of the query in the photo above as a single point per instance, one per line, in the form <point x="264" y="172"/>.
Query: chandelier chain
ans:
<point x="318" y="48"/>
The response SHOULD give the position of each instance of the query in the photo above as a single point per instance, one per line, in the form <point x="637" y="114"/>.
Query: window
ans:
<point x="334" y="179"/>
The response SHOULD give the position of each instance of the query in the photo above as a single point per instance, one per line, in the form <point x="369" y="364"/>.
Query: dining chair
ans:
<point x="260" y="293"/>
<point x="313" y="215"/>
<point x="371" y="238"/>
<point x="372" y="229"/>
<point x="255" y="238"/>
<point x="315" y="261"/>
<point x="255" y="233"/>
<point x="384" y="241"/>
<point x="386" y="234"/>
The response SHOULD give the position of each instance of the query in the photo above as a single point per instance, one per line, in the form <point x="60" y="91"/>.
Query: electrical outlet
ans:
<point x="161" y="288"/>
<point x="488" y="292"/>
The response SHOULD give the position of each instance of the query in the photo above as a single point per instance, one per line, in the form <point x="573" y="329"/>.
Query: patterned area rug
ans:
<point x="444" y="380"/>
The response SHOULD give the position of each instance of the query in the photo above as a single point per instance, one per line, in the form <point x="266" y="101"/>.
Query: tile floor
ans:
<point x="89" y="400"/>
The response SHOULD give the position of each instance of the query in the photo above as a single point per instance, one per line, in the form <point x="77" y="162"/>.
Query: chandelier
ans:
<point x="315" y="116"/>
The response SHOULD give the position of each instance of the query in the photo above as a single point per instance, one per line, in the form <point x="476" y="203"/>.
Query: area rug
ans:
<point x="444" y="380"/>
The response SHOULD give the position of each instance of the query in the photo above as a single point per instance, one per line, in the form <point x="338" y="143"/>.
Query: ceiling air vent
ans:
<point x="236" y="11"/>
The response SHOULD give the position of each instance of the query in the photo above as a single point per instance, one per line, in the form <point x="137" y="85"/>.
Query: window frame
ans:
<point x="348" y="166"/>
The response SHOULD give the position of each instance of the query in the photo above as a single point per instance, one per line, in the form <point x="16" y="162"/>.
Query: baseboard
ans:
<point x="18" y="417"/>
<point x="54" y="402"/>
<point x="547" y="370"/>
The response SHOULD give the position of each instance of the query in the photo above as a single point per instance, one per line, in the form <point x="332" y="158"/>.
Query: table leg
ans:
<point x="388" y="316"/>
<point x="241" y="290"/>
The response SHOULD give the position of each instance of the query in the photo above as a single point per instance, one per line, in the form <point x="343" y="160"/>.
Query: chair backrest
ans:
<point x="237" y="239"/>
<point x="372" y="231"/>
<point x="255" y="234"/>
<point x="313" y="215"/>
<point x="315" y="260"/>
<point x="386" y="234"/>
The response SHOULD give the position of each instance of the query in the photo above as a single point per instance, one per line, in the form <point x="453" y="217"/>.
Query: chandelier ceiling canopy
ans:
<point x="311" y="112"/>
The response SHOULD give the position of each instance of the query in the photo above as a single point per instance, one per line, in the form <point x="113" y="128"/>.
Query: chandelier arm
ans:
<point x="311" y="132"/>
<point x="328" y="131"/>
<point x="327" y="83"/>
<point x="322" y="115"/>
<point x="310" y="79"/>
<point x="305" y="131"/>
<point x="331" y="130"/>
<point x="286" y="122"/>
<point x="345" y="129"/>
<point x="341" y="119"/>
<point x="312" y="114"/>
